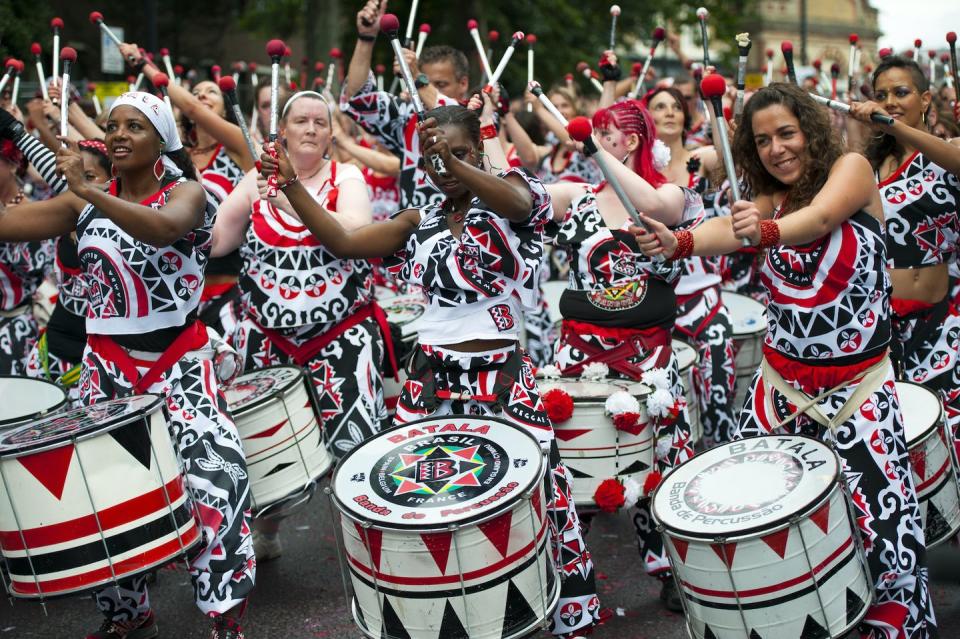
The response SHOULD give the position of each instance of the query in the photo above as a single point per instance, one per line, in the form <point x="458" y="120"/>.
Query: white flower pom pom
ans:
<point x="595" y="371"/>
<point x="659" y="403"/>
<point x="658" y="378"/>
<point x="632" y="491"/>
<point x="549" y="371"/>
<point x="661" y="155"/>
<point x="663" y="447"/>
<point x="621" y="402"/>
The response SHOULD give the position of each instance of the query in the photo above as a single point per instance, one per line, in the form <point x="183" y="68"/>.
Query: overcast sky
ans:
<point x="902" y="22"/>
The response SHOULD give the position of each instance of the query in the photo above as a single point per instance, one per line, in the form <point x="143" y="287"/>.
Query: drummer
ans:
<point x="477" y="256"/>
<point x="818" y="213"/>
<point x="149" y="231"/>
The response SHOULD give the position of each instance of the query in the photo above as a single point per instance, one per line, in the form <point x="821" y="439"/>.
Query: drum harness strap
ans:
<point x="649" y="342"/>
<point x="421" y="370"/>
<point x="867" y="382"/>
<point x="66" y="380"/>
<point x="702" y="300"/>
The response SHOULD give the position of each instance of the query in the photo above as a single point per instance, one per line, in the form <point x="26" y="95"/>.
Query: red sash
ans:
<point x="213" y="291"/>
<point x="633" y="342"/>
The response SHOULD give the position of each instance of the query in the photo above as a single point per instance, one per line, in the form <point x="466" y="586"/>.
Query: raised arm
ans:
<point x="664" y="203"/>
<point x="44" y="220"/>
<point x="528" y="152"/>
<point x="233" y="216"/>
<point x="368" y="26"/>
<point x="43" y="159"/>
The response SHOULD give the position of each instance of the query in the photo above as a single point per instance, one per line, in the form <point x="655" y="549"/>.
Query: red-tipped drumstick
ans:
<point x="380" y="70"/>
<point x="743" y="49"/>
<point x="712" y="87"/>
<point x="786" y="47"/>
<point x="229" y="89"/>
<point x="56" y="25"/>
<point x="19" y="66"/>
<point x="167" y="62"/>
<point x="768" y="77"/>
<point x="885" y="52"/>
<point x="97" y="18"/>
<point x="92" y="90"/>
<point x="275" y="49"/>
<point x="584" y="69"/>
<point x="254" y="78"/>
<point x="10" y="66"/>
<point x="659" y="34"/>
<point x="473" y="28"/>
<point x="68" y="55"/>
<point x="493" y="37"/>
<point x="131" y="80"/>
<point x="834" y="75"/>
<point x="932" y="65"/>
<point x="952" y="42"/>
<point x="287" y="74"/>
<point x="916" y="49"/>
<point x="37" y="52"/>
<point x="335" y="55"/>
<point x="537" y="91"/>
<point x="531" y="41"/>
<point x="215" y="72"/>
<point x="422" y="37"/>
<point x="411" y="19"/>
<point x="843" y="107"/>
<point x="614" y="14"/>
<point x="568" y="80"/>
<point x="514" y="41"/>
<point x="851" y="65"/>
<point x="162" y="82"/>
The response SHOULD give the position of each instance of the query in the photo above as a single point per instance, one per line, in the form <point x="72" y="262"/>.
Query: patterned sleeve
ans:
<point x="693" y="211"/>
<point x="379" y="113"/>
<point x="541" y="212"/>
<point x="43" y="160"/>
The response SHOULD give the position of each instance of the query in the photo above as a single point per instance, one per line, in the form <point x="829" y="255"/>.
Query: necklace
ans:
<point x="16" y="199"/>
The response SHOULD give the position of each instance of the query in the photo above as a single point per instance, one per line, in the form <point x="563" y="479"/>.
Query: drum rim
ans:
<point x="755" y="531"/>
<point x="269" y="395"/>
<point x="733" y="331"/>
<point x="421" y="301"/>
<point x="932" y="428"/>
<point x="125" y="420"/>
<point x="7" y="423"/>
<point x="501" y="506"/>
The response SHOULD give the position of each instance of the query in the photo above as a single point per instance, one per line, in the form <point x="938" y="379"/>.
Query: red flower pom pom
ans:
<point x="651" y="482"/>
<point x="559" y="405"/>
<point x="609" y="496"/>
<point x="674" y="413"/>
<point x="629" y="423"/>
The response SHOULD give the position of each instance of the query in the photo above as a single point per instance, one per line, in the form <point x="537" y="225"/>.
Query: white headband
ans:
<point x="305" y="94"/>
<point x="160" y="116"/>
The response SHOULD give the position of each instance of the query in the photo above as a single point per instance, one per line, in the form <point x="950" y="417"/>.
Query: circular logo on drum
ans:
<point x="761" y="478"/>
<point x="68" y="423"/>
<point x="439" y="471"/>
<point x="245" y="391"/>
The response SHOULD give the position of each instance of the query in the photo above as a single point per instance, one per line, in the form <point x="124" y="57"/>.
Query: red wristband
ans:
<point x="488" y="132"/>
<point x="684" y="245"/>
<point x="769" y="234"/>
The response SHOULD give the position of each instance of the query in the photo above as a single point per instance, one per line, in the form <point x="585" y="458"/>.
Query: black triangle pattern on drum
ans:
<point x="517" y="614"/>
<point x="450" y="626"/>
<point x="755" y="635"/>
<point x="392" y="626"/>
<point x="813" y="630"/>
<point x="276" y="469"/>
<point x="577" y="474"/>
<point x="636" y="467"/>
<point x="935" y="525"/>
<point x="135" y="439"/>
<point x="854" y="606"/>
<point x="708" y="633"/>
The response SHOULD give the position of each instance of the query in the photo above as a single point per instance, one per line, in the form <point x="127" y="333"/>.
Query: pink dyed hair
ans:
<point x="630" y="116"/>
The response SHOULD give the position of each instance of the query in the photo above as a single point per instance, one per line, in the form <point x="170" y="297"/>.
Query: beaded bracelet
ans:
<point x="769" y="234"/>
<point x="684" y="245"/>
<point x="286" y="183"/>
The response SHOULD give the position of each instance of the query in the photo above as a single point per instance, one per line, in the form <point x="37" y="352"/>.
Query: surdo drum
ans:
<point x="762" y="542"/>
<point x="932" y="461"/>
<point x="404" y="311"/>
<point x="445" y="531"/>
<point x="281" y="436"/>
<point x="686" y="359"/>
<point x="589" y="443"/>
<point x="90" y="496"/>
<point x="24" y="399"/>
<point x="749" y="320"/>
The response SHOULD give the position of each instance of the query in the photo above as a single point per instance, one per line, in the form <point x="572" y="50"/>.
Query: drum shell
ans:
<point x="132" y="502"/>
<point x="687" y="358"/>
<point x="775" y="593"/>
<point x="283" y="444"/>
<point x="748" y="318"/>
<point x="418" y="573"/>
<point x="24" y="399"/>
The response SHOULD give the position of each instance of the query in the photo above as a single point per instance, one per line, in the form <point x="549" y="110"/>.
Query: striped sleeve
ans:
<point x="43" y="160"/>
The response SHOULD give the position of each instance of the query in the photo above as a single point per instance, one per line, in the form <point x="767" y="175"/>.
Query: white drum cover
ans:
<point x="749" y="321"/>
<point x="282" y="439"/>
<point x="591" y="446"/>
<point x="932" y="462"/>
<point x="440" y="504"/>
<point x="747" y="525"/>
<point x="109" y="466"/>
<point x="24" y="399"/>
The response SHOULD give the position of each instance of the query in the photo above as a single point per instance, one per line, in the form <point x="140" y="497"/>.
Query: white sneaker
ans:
<point x="266" y="546"/>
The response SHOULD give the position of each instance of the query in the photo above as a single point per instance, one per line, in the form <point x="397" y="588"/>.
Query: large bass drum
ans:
<point x="24" y="399"/>
<point x="445" y="531"/>
<point x="762" y="541"/>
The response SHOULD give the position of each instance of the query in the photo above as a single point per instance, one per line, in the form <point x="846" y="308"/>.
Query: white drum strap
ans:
<point x="867" y="382"/>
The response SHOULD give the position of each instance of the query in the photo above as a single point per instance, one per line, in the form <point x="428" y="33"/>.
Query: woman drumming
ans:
<point x="818" y="214"/>
<point x="702" y="319"/>
<point x="149" y="231"/>
<point x="917" y="174"/>
<point x="476" y="256"/>
<point x="620" y="306"/>
<point x="221" y="157"/>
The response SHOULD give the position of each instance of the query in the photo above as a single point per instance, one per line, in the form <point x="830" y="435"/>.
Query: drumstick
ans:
<point x="702" y="15"/>
<point x="139" y="78"/>
<point x="167" y="62"/>
<point x="947" y="78"/>
<point x="932" y="66"/>
<point x="275" y="49"/>
<point x="131" y="79"/>
<point x="568" y="81"/>
<point x="408" y="36"/>
<point x="97" y="18"/>
<point x="843" y="107"/>
<point x="16" y="81"/>
<point x="545" y="101"/>
<point x="851" y="64"/>
<point x="390" y="26"/>
<point x="514" y="41"/>
<point x="786" y="47"/>
<point x="10" y="67"/>
<point x="614" y="14"/>
<point x="286" y="66"/>
<point x="92" y="90"/>
<point x="215" y="73"/>
<point x="658" y="36"/>
<point x="475" y="34"/>
<point x="68" y="55"/>
<point x="743" y="49"/>
<point x="769" y="75"/>
<point x="37" y="52"/>
<point x="713" y="86"/>
<point x="162" y="81"/>
<point x="422" y="37"/>
<point x="584" y="69"/>
<point x="56" y="25"/>
<point x="229" y="89"/>
<point x="493" y="37"/>
<point x="531" y="40"/>
<point x="952" y="41"/>
<point x="885" y="52"/>
<point x="834" y="75"/>
<point x="380" y="69"/>
<point x="916" y="49"/>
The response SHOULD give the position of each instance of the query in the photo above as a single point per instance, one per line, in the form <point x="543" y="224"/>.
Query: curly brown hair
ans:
<point x="823" y="144"/>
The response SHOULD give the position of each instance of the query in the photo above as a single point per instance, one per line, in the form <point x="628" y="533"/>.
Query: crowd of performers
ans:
<point x="178" y="265"/>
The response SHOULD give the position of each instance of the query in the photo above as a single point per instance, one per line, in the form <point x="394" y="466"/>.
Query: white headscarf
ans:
<point x="160" y="116"/>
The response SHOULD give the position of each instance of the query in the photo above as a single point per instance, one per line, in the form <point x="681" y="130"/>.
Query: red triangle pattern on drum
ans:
<point x="681" y="547"/>
<point x="467" y="453"/>
<point x="822" y="518"/>
<point x="270" y="432"/>
<point x="373" y="540"/>
<point x="725" y="552"/>
<point x="537" y="506"/>
<point x="407" y="487"/>
<point x="50" y="468"/>
<point x="439" y="546"/>
<point x="778" y="542"/>
<point x="498" y="532"/>
<point x="566" y="434"/>
<point x="918" y="459"/>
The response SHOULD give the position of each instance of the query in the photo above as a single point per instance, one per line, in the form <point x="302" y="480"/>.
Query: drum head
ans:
<point x="404" y="310"/>
<point x="76" y="423"/>
<point x="686" y="356"/>
<point x="250" y="390"/>
<point x="747" y="315"/>
<point x="436" y="472"/>
<point x="24" y="399"/>
<point x="921" y="410"/>
<point x="583" y="390"/>
<point x="745" y="486"/>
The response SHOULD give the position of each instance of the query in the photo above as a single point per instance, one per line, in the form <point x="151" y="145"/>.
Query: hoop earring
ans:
<point x="158" y="168"/>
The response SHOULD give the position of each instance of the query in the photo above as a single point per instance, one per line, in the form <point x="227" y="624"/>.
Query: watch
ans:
<point x="421" y="81"/>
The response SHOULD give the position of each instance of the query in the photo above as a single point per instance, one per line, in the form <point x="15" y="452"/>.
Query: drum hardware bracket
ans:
<point x="813" y="576"/>
<point x="96" y="516"/>
<point x="533" y="529"/>
<point x="365" y="525"/>
<point x="334" y="522"/>
<point x="26" y="547"/>
<point x="452" y="528"/>
<point x="722" y="541"/>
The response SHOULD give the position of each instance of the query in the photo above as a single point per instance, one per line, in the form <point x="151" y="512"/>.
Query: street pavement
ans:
<point x="300" y="596"/>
